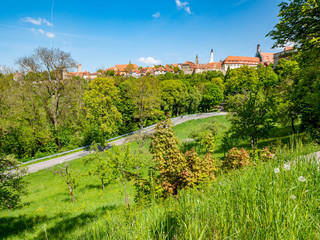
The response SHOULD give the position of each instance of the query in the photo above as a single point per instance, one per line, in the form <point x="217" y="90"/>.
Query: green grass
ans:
<point x="251" y="203"/>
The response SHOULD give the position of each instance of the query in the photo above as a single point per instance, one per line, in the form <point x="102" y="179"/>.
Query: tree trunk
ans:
<point x="141" y="124"/>
<point x="71" y="193"/>
<point x="102" y="183"/>
<point x="253" y="147"/>
<point x="125" y="190"/>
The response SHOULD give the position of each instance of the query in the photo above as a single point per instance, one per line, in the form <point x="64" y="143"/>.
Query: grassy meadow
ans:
<point x="279" y="199"/>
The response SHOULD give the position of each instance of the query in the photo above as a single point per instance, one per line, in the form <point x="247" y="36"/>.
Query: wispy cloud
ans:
<point x="38" y="21"/>
<point x="183" y="5"/>
<point x="156" y="15"/>
<point x="48" y="34"/>
<point x="240" y="2"/>
<point x="149" y="60"/>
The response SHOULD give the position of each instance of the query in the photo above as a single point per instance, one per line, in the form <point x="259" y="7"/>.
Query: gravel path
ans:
<point x="50" y="163"/>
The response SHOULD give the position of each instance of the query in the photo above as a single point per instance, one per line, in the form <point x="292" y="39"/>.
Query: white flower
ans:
<point x="302" y="179"/>
<point x="286" y="167"/>
<point x="293" y="197"/>
<point x="276" y="170"/>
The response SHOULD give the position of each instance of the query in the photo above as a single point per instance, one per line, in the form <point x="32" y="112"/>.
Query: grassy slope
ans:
<point x="251" y="202"/>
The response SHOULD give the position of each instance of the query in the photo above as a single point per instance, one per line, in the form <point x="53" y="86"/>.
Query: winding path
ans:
<point x="50" y="163"/>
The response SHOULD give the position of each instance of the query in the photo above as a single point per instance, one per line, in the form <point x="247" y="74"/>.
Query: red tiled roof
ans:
<point x="124" y="66"/>
<point x="214" y="65"/>
<point x="243" y="60"/>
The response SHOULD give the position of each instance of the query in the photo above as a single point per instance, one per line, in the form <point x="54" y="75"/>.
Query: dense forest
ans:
<point x="44" y="113"/>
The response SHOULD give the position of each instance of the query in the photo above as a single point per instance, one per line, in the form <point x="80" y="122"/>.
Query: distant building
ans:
<point x="193" y="68"/>
<point x="265" y="58"/>
<point x="233" y="62"/>
<point x="286" y="54"/>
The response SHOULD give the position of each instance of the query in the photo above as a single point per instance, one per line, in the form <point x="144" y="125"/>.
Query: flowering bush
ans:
<point x="266" y="155"/>
<point x="236" y="158"/>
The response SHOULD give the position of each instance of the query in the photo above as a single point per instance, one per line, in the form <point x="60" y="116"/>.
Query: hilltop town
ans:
<point x="189" y="67"/>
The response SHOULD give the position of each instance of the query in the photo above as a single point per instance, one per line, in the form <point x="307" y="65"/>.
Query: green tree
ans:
<point x="174" y="94"/>
<point x="47" y="66"/>
<point x="287" y="111"/>
<point x="241" y="79"/>
<point x="124" y="165"/>
<point x="145" y="95"/>
<point x="193" y="99"/>
<point x="250" y="116"/>
<point x="102" y="113"/>
<point x="212" y="97"/>
<point x="12" y="184"/>
<point x="299" y="24"/>
<point x="68" y="176"/>
<point x="99" y="166"/>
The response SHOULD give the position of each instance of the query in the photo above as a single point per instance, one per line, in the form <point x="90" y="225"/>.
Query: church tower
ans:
<point x="197" y="59"/>
<point x="211" y="59"/>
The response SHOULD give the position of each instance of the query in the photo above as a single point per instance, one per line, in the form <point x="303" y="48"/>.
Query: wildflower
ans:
<point x="286" y="167"/>
<point x="276" y="170"/>
<point x="302" y="179"/>
<point x="293" y="197"/>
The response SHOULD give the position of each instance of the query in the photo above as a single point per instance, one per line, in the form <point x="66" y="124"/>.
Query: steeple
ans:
<point x="197" y="59"/>
<point x="211" y="59"/>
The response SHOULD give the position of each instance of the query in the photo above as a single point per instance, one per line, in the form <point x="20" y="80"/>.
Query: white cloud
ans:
<point x="183" y="5"/>
<point x="48" y="34"/>
<point x="149" y="60"/>
<point x="156" y="15"/>
<point x="38" y="21"/>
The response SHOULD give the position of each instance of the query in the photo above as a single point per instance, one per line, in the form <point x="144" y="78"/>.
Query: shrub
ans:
<point x="266" y="155"/>
<point x="236" y="158"/>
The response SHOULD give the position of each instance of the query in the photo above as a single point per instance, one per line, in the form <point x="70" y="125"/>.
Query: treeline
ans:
<point x="44" y="113"/>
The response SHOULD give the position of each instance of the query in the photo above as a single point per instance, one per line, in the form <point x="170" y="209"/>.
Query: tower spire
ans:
<point x="197" y="59"/>
<point x="211" y="59"/>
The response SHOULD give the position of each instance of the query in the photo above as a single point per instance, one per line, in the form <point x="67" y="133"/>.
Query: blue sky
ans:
<point x="104" y="33"/>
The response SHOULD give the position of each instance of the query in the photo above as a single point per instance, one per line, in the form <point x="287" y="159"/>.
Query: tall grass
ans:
<point x="261" y="201"/>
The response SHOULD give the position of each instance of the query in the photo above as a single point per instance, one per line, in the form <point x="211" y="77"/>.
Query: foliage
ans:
<point x="173" y="94"/>
<point x="101" y="110"/>
<point x="241" y="79"/>
<point x="199" y="170"/>
<point x="124" y="166"/>
<point x="68" y="176"/>
<point x="178" y="171"/>
<point x="169" y="160"/>
<point x="266" y="155"/>
<point x="99" y="167"/>
<point x="299" y="24"/>
<point x="299" y="21"/>
<point x="250" y="118"/>
<point x="12" y="184"/>
<point x="212" y="97"/>
<point x="145" y="95"/>
<point x="236" y="159"/>
<point x="45" y="69"/>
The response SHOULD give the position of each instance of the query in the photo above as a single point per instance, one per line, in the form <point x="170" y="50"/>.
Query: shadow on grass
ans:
<point x="167" y="227"/>
<point x="95" y="186"/>
<point x="67" y="225"/>
<point x="15" y="225"/>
